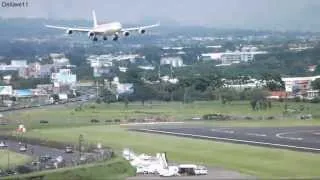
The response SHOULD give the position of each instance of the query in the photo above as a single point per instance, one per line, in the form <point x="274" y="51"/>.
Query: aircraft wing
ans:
<point x="142" y="27"/>
<point x="69" y="28"/>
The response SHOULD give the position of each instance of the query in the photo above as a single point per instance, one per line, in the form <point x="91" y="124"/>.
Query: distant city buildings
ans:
<point x="175" y="61"/>
<point x="101" y="64"/>
<point x="246" y="54"/>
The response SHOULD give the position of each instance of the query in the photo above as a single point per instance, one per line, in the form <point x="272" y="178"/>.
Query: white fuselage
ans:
<point x="108" y="29"/>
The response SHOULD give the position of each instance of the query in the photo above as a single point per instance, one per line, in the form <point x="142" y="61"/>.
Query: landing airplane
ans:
<point x="110" y="29"/>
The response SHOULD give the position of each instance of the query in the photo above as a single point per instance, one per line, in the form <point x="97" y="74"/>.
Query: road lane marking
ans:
<point x="234" y="140"/>
<point x="256" y="134"/>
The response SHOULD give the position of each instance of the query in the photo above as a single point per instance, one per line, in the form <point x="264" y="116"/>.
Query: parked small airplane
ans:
<point x="110" y="29"/>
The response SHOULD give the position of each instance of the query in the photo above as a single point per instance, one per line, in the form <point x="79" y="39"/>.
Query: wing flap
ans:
<point x="69" y="28"/>
<point x="142" y="27"/>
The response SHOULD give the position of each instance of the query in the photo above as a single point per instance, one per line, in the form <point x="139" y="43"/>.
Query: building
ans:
<point x="118" y="88"/>
<point x="312" y="94"/>
<point x="229" y="57"/>
<point x="173" y="61"/>
<point x="146" y="67"/>
<point x="108" y="59"/>
<point x="299" y="86"/>
<point x="312" y="68"/>
<point x="19" y="63"/>
<point x="64" y="78"/>
<point x="14" y="66"/>
<point x="276" y="95"/>
<point x="34" y="70"/>
<point x="46" y="70"/>
<point x="169" y="80"/>
<point x="248" y="84"/>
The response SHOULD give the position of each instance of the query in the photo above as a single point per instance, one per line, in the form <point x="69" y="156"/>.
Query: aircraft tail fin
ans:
<point x="95" y="22"/>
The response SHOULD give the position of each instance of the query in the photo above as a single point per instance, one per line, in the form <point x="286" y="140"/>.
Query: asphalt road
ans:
<point x="42" y="151"/>
<point x="306" y="139"/>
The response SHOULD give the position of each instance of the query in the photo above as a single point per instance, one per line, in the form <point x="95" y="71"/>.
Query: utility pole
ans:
<point x="80" y="146"/>
<point x="8" y="158"/>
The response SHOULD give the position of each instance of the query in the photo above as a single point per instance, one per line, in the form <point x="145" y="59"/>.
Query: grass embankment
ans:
<point x="15" y="159"/>
<point x="258" y="161"/>
<point x="116" y="169"/>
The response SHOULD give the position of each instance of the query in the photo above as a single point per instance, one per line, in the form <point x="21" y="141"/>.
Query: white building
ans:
<point x="298" y="85"/>
<point x="64" y="77"/>
<point x="249" y="84"/>
<point x="125" y="88"/>
<point x="107" y="59"/>
<point x="173" y="61"/>
<point x="233" y="57"/>
<point x="169" y="80"/>
<point x="146" y="67"/>
<point x="19" y="63"/>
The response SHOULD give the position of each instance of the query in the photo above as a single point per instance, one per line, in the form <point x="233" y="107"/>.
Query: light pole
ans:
<point x="80" y="146"/>
<point x="8" y="157"/>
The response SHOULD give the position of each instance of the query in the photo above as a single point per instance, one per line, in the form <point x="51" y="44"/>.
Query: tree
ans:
<point x="316" y="84"/>
<point x="226" y="95"/>
<point x="143" y="92"/>
<point x="108" y="96"/>
<point x="170" y="88"/>
<point x="258" y="97"/>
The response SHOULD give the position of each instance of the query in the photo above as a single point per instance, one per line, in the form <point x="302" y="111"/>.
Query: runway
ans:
<point x="306" y="139"/>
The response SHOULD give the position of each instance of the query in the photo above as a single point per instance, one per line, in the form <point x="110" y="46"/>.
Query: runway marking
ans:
<point x="256" y="134"/>
<point x="280" y="135"/>
<point x="234" y="140"/>
<point x="150" y="123"/>
<point x="223" y="131"/>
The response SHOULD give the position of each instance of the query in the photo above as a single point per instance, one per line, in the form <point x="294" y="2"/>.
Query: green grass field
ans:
<point x="66" y="124"/>
<point x="15" y="159"/>
<point x="257" y="161"/>
<point x="68" y="117"/>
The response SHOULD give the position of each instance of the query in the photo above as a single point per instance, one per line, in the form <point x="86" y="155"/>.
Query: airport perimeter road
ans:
<point x="305" y="139"/>
<point x="42" y="151"/>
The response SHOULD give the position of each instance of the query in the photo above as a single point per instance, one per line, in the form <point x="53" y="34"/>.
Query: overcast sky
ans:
<point x="271" y="14"/>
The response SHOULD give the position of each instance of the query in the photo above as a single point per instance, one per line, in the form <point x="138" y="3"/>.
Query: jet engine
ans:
<point x="142" y="31"/>
<point x="90" y="34"/>
<point x="69" y="31"/>
<point x="126" y="33"/>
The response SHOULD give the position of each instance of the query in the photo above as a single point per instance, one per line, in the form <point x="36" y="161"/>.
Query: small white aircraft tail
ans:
<point x="95" y="22"/>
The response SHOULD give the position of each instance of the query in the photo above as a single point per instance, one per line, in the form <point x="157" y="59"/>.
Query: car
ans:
<point x="23" y="148"/>
<point x="201" y="170"/>
<point x="45" y="158"/>
<point x="10" y="172"/>
<point x="69" y="149"/>
<point x="3" y="145"/>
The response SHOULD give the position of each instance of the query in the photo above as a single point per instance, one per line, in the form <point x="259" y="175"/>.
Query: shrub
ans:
<point x="315" y="100"/>
<point x="95" y="121"/>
